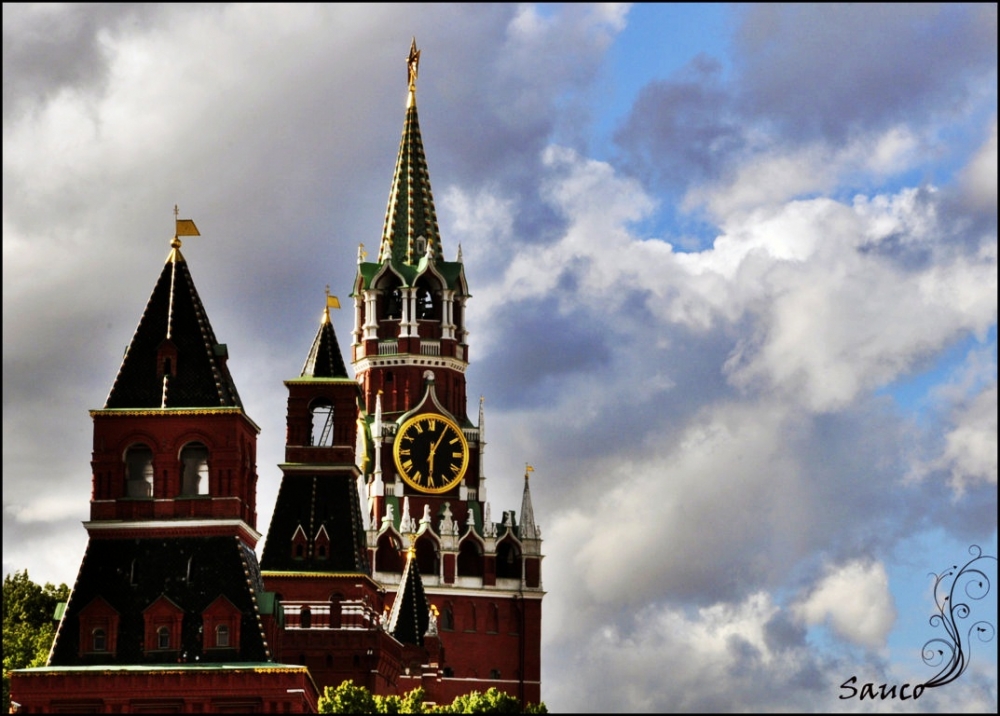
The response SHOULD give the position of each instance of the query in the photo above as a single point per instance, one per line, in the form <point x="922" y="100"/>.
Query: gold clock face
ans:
<point x="431" y="453"/>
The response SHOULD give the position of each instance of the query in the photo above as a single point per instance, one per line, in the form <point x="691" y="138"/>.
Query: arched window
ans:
<point x="194" y="469"/>
<point x="508" y="560"/>
<point x="99" y="640"/>
<point x="394" y="303"/>
<point x="322" y="423"/>
<point x="448" y="617"/>
<point x="425" y="303"/>
<point x="428" y="556"/>
<point x="387" y="558"/>
<point x="163" y="638"/>
<point x="470" y="558"/>
<point x="222" y="635"/>
<point x="305" y="618"/>
<point x="139" y="468"/>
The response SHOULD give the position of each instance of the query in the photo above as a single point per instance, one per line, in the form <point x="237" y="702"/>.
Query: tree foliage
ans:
<point x="28" y="628"/>
<point x="348" y="698"/>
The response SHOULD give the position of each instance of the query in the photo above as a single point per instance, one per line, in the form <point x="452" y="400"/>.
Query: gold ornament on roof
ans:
<point x="412" y="63"/>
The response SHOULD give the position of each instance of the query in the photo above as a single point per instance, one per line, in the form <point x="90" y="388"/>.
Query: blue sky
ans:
<point x="733" y="271"/>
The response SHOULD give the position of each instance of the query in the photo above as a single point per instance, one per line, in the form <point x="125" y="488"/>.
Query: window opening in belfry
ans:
<point x="470" y="559"/>
<point x="428" y="556"/>
<point x="139" y="465"/>
<point x="322" y="425"/>
<point x="163" y="638"/>
<point x="100" y="640"/>
<point x="194" y="469"/>
<point x="508" y="560"/>
<point x="305" y="618"/>
<point x="394" y="304"/>
<point x="222" y="635"/>
<point x="425" y="304"/>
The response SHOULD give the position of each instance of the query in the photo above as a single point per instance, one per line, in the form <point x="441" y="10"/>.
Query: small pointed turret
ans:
<point x="411" y="230"/>
<point x="410" y="615"/>
<point x="528" y="529"/>
<point x="324" y="359"/>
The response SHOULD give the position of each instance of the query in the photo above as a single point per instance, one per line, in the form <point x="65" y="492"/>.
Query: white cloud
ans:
<point x="970" y="453"/>
<point x="978" y="180"/>
<point x="854" y="599"/>
<point x="772" y="173"/>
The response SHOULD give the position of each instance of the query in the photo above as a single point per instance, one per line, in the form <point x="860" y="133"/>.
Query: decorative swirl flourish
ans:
<point x="949" y="652"/>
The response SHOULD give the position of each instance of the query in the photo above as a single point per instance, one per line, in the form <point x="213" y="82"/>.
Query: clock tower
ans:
<point x="422" y="463"/>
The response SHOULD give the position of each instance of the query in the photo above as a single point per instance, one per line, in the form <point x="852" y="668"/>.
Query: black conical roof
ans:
<point x="174" y="360"/>
<point x="328" y="501"/>
<point x="324" y="359"/>
<point x="410" y="614"/>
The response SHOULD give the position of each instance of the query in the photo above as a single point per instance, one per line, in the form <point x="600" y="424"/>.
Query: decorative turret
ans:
<point x="528" y="529"/>
<point x="317" y="524"/>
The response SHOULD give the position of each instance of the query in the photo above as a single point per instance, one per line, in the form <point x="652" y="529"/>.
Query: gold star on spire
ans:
<point x="412" y="62"/>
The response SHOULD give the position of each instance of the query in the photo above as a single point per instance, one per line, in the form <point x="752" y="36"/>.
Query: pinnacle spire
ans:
<point x="410" y="231"/>
<point x="528" y="528"/>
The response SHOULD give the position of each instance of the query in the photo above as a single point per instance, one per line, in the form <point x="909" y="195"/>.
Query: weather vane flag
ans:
<point x="184" y="227"/>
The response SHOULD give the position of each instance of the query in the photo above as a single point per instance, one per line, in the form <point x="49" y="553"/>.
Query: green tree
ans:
<point x="347" y="699"/>
<point x="493" y="701"/>
<point x="27" y="624"/>
<point x="412" y="702"/>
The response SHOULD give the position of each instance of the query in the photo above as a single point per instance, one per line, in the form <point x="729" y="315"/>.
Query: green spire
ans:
<point x="411" y="228"/>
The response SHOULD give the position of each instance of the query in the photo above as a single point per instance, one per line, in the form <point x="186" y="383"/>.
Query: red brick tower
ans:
<point x="168" y="612"/>
<point x="424" y="468"/>
<point x="315" y="559"/>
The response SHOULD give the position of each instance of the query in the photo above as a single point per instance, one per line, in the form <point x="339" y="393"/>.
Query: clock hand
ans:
<point x="434" y="447"/>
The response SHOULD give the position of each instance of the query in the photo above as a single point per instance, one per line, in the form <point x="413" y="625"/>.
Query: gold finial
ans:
<point x="412" y="551"/>
<point x="176" y="243"/>
<point x="362" y="254"/>
<point x="527" y="468"/>
<point x="412" y="62"/>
